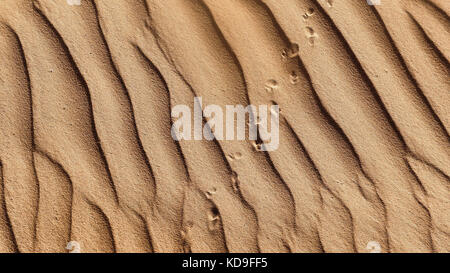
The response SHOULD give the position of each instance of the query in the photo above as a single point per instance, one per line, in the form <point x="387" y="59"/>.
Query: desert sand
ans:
<point x="87" y="156"/>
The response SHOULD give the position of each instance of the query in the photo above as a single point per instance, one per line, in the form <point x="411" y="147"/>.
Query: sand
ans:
<point x="87" y="155"/>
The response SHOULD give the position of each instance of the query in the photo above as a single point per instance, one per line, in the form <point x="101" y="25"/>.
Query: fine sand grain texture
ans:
<point x="87" y="154"/>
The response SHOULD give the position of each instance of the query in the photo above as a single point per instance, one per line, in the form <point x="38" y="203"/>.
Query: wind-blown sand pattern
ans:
<point x="87" y="156"/>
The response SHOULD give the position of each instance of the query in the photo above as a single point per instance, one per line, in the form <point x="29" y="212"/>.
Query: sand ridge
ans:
<point x="87" y="155"/>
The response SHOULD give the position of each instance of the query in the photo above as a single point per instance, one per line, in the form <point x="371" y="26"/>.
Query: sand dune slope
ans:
<point x="87" y="155"/>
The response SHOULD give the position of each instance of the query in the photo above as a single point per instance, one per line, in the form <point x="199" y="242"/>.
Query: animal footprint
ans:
<point x="311" y="35"/>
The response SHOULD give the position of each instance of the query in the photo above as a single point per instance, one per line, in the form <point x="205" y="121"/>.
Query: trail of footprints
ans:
<point x="344" y="205"/>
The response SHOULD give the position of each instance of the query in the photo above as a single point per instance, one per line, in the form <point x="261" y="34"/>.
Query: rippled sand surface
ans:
<point x="86" y="152"/>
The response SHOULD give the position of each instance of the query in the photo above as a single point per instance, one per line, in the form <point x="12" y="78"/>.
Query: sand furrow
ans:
<point x="137" y="79"/>
<point x="260" y="180"/>
<point x="350" y="112"/>
<point x="54" y="218"/>
<point x="8" y="242"/>
<point x="16" y="141"/>
<point x="127" y="126"/>
<point x="214" y="179"/>
<point x="86" y="167"/>
<point x="90" y="228"/>
<point x="435" y="24"/>
<point x="433" y="76"/>
<point x="109" y="100"/>
<point x="380" y="73"/>
<point x="442" y="6"/>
